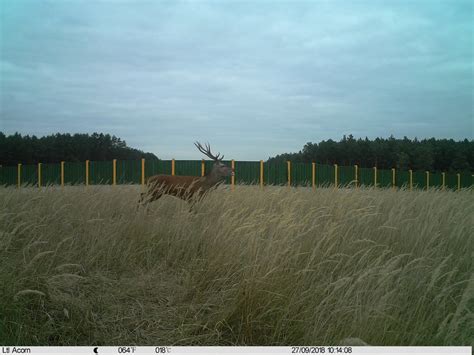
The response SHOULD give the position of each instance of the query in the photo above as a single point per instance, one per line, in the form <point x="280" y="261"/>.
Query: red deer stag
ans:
<point x="185" y="187"/>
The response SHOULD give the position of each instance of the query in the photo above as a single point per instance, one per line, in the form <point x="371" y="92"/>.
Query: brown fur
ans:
<point x="184" y="187"/>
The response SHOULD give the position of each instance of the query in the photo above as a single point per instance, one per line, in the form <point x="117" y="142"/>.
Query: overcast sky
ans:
<point x="253" y="78"/>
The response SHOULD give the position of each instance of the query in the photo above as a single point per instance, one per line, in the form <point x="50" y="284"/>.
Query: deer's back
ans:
<point x="176" y="185"/>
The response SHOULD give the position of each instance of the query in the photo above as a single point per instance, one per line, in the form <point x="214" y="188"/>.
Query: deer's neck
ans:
<point x="212" y="179"/>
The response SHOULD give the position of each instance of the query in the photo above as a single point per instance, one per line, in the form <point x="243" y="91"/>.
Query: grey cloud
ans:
<point x="258" y="79"/>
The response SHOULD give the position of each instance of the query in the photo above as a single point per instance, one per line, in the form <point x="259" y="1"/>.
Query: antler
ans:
<point x="207" y="151"/>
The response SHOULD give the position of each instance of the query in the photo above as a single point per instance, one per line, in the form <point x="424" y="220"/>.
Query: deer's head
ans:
<point x="219" y="170"/>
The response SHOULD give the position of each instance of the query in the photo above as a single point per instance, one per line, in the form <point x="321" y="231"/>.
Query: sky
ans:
<point x="252" y="78"/>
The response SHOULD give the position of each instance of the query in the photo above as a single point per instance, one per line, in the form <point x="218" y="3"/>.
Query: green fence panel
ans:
<point x="301" y="174"/>
<point x="466" y="179"/>
<point x="436" y="180"/>
<point x="129" y="171"/>
<point x="50" y="174"/>
<point x="29" y="175"/>
<point x="384" y="178"/>
<point x="419" y="179"/>
<point x="366" y="176"/>
<point x="188" y="167"/>
<point x="402" y="179"/>
<point x="451" y="181"/>
<point x="8" y="175"/>
<point x="100" y="172"/>
<point x="74" y="173"/>
<point x="324" y="175"/>
<point x="157" y="167"/>
<point x="164" y="167"/>
<point x="247" y="172"/>
<point x="275" y="173"/>
<point x="346" y="176"/>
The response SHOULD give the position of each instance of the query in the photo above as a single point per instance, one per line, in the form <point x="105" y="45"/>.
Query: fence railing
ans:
<point x="248" y="172"/>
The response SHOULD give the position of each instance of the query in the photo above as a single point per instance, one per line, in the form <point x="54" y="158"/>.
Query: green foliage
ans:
<point x="65" y="147"/>
<point x="428" y="154"/>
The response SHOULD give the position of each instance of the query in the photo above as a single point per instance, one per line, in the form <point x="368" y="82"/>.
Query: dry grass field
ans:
<point x="278" y="266"/>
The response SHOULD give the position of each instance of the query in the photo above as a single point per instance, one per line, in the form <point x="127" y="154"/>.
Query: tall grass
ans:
<point x="272" y="266"/>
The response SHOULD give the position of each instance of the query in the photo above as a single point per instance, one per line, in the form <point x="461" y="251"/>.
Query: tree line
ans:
<point x="427" y="154"/>
<point x="17" y="148"/>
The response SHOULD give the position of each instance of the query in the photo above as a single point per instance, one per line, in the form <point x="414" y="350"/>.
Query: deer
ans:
<point x="188" y="188"/>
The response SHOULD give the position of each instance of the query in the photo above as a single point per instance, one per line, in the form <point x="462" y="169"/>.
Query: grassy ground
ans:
<point x="278" y="266"/>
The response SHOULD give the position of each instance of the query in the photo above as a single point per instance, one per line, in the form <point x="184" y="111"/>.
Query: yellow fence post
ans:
<point x="62" y="174"/>
<point x="288" y="163"/>
<point x="443" y="175"/>
<point x="87" y="172"/>
<point x="375" y="176"/>
<point x="427" y="180"/>
<point x="172" y="167"/>
<point x="411" y="178"/>
<point x="143" y="171"/>
<point x="335" y="176"/>
<point x="459" y="181"/>
<point x="261" y="173"/>
<point x="356" y="175"/>
<point x="203" y="168"/>
<point x="393" y="178"/>
<point x="114" y="172"/>
<point x="313" y="174"/>
<point x="39" y="174"/>
<point x="18" y="175"/>
<point x="232" y="178"/>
